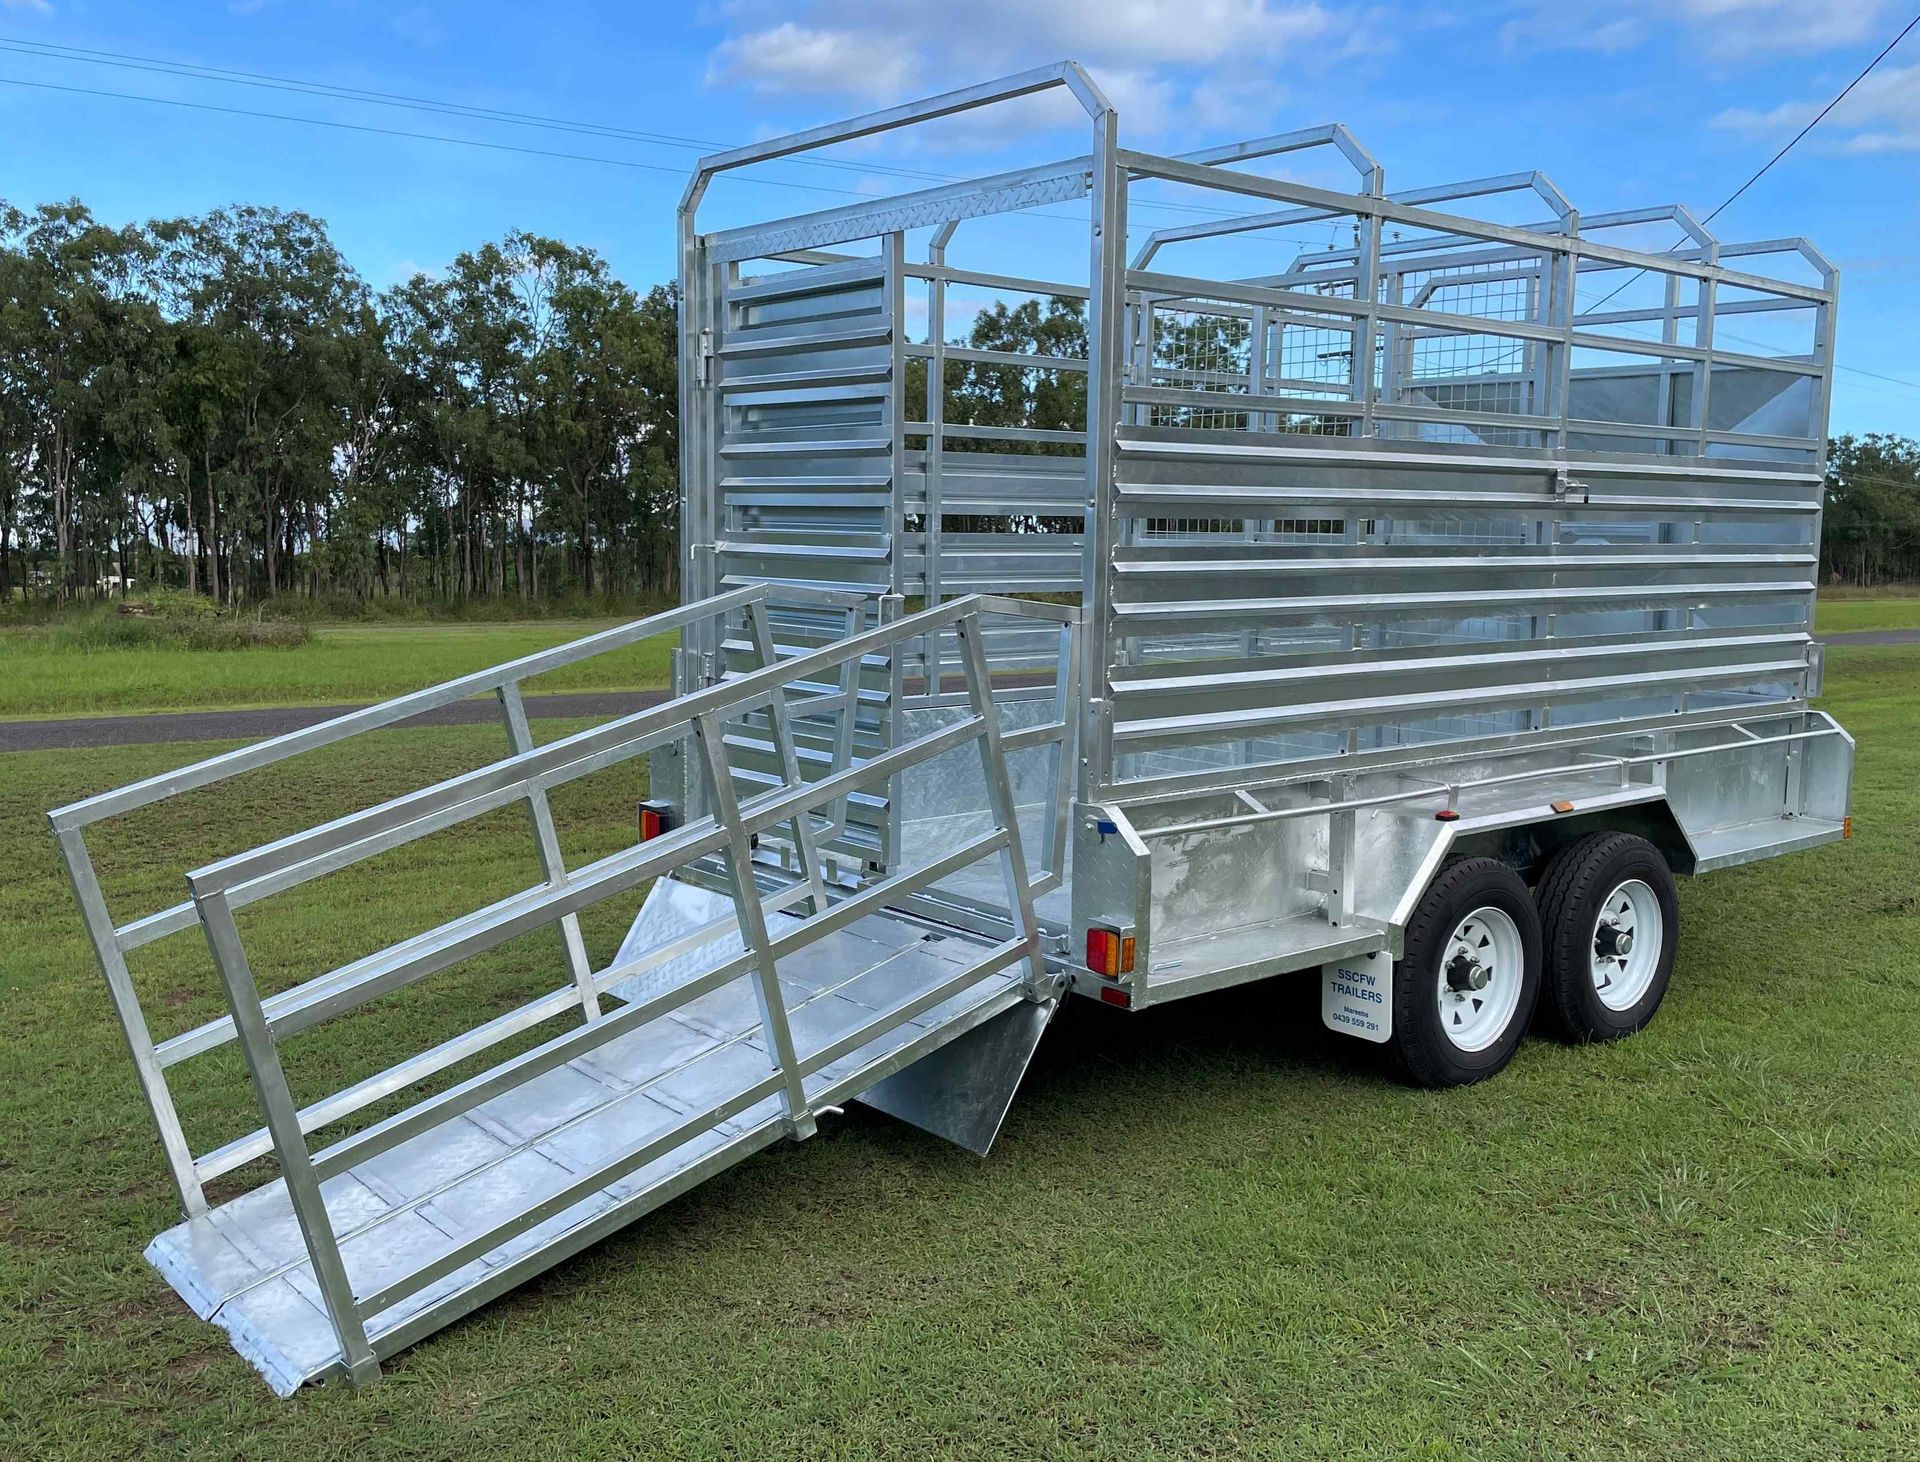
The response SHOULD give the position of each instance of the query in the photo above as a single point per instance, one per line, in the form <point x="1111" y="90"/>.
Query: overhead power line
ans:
<point x="1792" y="142"/>
<point x="195" y="71"/>
<point x="618" y="162"/>
<point x="1818" y="118"/>
<point x="364" y="127"/>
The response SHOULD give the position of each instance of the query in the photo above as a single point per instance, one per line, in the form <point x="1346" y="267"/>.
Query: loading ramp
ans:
<point x="758" y="986"/>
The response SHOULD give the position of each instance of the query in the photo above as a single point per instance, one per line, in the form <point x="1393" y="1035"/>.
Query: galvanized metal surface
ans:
<point x="735" y="1031"/>
<point x="1436" y="495"/>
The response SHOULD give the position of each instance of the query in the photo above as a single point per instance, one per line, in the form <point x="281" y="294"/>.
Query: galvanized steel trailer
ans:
<point x="1413" y="607"/>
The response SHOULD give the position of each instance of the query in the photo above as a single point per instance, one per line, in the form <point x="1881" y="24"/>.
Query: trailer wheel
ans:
<point x="1464" y="991"/>
<point x="1612" y="923"/>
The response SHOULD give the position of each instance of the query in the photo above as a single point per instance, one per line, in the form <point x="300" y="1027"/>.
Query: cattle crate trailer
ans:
<point x="1402" y="609"/>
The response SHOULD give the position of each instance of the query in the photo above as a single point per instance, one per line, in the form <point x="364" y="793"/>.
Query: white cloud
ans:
<point x="1881" y="114"/>
<point x="1166" y="64"/>
<point x="790" y="59"/>
<point x="37" y="7"/>
<point x="1720" y="30"/>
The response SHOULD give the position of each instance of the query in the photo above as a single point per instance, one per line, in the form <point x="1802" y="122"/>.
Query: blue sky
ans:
<point x="1626" y="104"/>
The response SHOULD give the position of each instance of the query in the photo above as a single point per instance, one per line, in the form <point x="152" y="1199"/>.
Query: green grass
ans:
<point x="46" y="674"/>
<point x="1841" y="610"/>
<point x="1209" y="1230"/>
<point x="83" y="666"/>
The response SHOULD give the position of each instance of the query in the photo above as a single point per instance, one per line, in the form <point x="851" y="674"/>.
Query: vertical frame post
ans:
<point x="936" y="432"/>
<point x="781" y="730"/>
<point x="1366" y="290"/>
<point x="283" y="1124"/>
<point x="1066" y="710"/>
<point x="1703" y="387"/>
<point x="133" y="1020"/>
<point x="546" y="838"/>
<point x="993" y="769"/>
<point x="1106" y="353"/>
<point x="753" y="924"/>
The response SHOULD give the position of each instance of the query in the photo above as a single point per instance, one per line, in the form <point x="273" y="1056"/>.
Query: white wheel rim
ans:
<point x="1624" y="945"/>
<point x="1478" y="982"/>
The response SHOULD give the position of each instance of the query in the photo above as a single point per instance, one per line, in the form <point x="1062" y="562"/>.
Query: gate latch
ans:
<point x="1565" y="486"/>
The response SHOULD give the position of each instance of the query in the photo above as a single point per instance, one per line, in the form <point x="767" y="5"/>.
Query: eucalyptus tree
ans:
<point x="268" y="305"/>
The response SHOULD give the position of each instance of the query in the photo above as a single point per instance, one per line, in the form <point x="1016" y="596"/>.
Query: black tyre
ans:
<point x="1464" y="991"/>
<point x="1611" y="922"/>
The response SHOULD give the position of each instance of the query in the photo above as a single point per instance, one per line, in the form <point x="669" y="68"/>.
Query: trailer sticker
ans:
<point x="1356" y="996"/>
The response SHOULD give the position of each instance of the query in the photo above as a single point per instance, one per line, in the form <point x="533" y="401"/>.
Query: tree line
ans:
<point x="222" y="404"/>
<point x="1870" y="532"/>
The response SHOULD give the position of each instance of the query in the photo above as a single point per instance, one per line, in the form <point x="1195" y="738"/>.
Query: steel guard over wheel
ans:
<point x="1465" y="989"/>
<point x="1611" y="924"/>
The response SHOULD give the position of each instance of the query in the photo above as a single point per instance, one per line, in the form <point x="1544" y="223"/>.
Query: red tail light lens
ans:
<point x="1109" y="952"/>
<point x="1103" y="952"/>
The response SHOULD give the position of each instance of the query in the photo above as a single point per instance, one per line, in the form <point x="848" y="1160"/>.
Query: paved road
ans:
<point x="1875" y="637"/>
<point x="164" y="726"/>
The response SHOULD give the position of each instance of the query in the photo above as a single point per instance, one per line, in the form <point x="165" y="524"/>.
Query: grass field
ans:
<point x="1211" y="1230"/>
<point x="344" y="664"/>
<point x="1838" y="612"/>
<point x="348" y="664"/>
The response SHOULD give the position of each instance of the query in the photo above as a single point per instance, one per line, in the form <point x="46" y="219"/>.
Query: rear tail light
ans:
<point x="655" y="819"/>
<point x="1109" y="952"/>
<point x="1846" y="827"/>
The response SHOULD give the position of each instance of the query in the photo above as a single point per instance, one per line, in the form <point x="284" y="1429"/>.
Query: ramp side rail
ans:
<point x="729" y="830"/>
<point x="113" y="941"/>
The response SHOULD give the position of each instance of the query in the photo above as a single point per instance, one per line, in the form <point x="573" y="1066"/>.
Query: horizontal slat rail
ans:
<point x="1342" y="608"/>
<point x="1140" y="444"/>
<point x="1202" y="498"/>
<point x="1230" y="560"/>
<point x="1219" y="725"/>
<point x="1259" y="681"/>
<point x="564" y="757"/>
<point x="1230" y="180"/>
<point x="448" y="944"/>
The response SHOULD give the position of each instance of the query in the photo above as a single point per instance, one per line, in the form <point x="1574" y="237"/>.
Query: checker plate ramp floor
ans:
<point x="244" y="1266"/>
